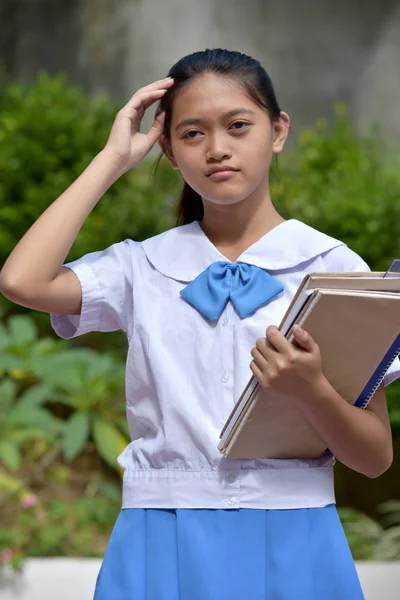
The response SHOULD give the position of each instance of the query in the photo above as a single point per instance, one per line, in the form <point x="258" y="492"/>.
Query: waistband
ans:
<point x="287" y="488"/>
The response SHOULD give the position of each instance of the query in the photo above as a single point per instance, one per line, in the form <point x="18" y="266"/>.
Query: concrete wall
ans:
<point x="316" y="52"/>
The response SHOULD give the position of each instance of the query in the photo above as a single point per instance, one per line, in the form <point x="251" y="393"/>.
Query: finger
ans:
<point x="266" y="349"/>
<point x="156" y="85"/>
<point x="156" y="129"/>
<point x="278" y="341"/>
<point x="261" y="361"/>
<point x="304" y="339"/>
<point x="143" y="100"/>
<point x="258" y="374"/>
<point x="163" y="84"/>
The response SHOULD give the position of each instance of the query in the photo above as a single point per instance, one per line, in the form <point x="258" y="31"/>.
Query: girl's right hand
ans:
<point x="126" y="143"/>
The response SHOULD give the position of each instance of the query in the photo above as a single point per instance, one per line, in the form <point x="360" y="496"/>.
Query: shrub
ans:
<point x="49" y="132"/>
<point x="345" y="184"/>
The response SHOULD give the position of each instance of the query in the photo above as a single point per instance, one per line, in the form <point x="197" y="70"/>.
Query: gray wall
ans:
<point x="316" y="51"/>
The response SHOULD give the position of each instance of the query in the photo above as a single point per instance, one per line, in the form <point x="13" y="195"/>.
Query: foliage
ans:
<point x="370" y="539"/>
<point x="54" y="527"/>
<point x="23" y="420"/>
<point x="90" y="384"/>
<point x="49" y="132"/>
<point x="345" y="184"/>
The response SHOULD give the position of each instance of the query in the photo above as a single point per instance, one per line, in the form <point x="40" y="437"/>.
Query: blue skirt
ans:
<point x="203" y="554"/>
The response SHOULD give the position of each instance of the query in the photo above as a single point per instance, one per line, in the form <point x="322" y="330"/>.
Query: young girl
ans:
<point x="200" y="305"/>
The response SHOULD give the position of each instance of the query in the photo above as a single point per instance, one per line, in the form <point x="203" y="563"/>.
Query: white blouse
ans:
<point x="185" y="373"/>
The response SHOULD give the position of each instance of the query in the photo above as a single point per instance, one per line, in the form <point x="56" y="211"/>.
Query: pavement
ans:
<point x="74" y="579"/>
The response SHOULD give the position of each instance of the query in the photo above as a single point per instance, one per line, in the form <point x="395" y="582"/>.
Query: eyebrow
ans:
<point x="231" y="113"/>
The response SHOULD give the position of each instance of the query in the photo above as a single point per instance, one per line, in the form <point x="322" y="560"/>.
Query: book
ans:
<point x="343" y="322"/>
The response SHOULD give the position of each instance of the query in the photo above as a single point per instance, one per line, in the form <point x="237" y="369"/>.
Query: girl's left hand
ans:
<point x="285" y="368"/>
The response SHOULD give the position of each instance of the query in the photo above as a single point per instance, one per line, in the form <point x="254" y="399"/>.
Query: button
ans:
<point x="225" y="321"/>
<point x="231" y="477"/>
<point x="225" y="377"/>
<point x="232" y="502"/>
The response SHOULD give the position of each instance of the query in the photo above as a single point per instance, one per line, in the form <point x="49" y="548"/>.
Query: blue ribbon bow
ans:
<point x="248" y="288"/>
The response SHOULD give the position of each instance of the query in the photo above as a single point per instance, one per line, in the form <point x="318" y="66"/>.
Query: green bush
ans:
<point x="30" y="526"/>
<point x="373" y="539"/>
<point x="58" y="404"/>
<point x="345" y="184"/>
<point x="49" y="132"/>
<point x="39" y="377"/>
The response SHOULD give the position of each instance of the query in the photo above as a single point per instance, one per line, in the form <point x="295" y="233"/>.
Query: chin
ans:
<point x="227" y="200"/>
<point x="223" y="201"/>
<point x="224" y="196"/>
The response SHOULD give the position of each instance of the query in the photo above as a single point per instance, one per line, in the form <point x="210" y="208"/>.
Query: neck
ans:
<point x="233" y="228"/>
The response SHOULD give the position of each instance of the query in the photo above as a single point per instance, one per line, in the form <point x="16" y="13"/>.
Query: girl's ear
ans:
<point x="280" y="131"/>
<point x="166" y="148"/>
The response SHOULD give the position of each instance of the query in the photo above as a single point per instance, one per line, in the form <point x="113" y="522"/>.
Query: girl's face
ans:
<point x="216" y="125"/>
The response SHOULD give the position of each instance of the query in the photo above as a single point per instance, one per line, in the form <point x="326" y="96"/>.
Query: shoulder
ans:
<point x="335" y="254"/>
<point x="343" y="258"/>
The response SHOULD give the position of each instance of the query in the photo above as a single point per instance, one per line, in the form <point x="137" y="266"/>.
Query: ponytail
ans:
<point x="190" y="207"/>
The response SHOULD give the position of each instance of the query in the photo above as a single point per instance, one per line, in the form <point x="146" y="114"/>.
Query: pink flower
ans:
<point x="28" y="500"/>
<point x="6" y="555"/>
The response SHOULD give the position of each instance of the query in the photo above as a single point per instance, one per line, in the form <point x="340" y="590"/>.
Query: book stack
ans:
<point x="355" y="320"/>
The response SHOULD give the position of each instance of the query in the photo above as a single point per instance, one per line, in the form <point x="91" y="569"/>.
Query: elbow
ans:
<point x="380" y="468"/>
<point x="9" y="290"/>
<point x="7" y="285"/>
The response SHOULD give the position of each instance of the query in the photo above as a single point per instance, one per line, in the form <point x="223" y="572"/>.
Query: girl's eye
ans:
<point x="237" y="125"/>
<point x="190" y="134"/>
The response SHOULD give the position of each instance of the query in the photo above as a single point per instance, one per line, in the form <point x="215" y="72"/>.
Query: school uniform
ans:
<point x="195" y="525"/>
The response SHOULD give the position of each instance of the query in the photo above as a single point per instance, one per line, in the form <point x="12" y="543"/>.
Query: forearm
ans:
<point x="39" y="255"/>
<point x="356" y="437"/>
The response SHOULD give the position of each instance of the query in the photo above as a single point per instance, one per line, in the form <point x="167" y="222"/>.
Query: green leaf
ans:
<point x="4" y="337"/>
<point x="33" y="416"/>
<point x="9" y="455"/>
<point x="76" y="435"/>
<point x="109" y="441"/>
<point x="7" y="395"/>
<point x="35" y="396"/>
<point x="8" y="362"/>
<point x="27" y="434"/>
<point x="22" y="329"/>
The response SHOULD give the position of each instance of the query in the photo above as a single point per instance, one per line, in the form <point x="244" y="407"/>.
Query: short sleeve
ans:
<point x="343" y="258"/>
<point x="107" y="292"/>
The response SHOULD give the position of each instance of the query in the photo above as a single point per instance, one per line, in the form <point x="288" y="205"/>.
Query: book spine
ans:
<point x="377" y="378"/>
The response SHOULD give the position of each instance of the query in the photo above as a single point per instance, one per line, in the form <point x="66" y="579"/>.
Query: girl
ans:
<point x="199" y="303"/>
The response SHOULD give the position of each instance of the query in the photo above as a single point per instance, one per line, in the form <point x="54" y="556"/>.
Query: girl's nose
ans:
<point x="217" y="149"/>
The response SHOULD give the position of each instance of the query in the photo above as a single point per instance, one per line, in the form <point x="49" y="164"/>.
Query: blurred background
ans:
<point x="65" y="70"/>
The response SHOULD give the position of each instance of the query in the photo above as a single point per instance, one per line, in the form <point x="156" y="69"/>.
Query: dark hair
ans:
<point x="246" y="70"/>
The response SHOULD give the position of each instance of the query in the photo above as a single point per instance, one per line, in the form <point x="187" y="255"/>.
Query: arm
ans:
<point x="33" y="274"/>
<point x="35" y="262"/>
<point x="361" y="439"/>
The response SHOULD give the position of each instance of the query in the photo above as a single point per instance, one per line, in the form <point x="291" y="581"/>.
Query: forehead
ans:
<point x="208" y="96"/>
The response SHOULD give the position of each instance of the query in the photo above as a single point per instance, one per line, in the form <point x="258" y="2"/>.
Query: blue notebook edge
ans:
<point x="379" y="374"/>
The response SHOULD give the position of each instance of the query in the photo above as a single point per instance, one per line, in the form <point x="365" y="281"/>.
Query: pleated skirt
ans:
<point x="245" y="554"/>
